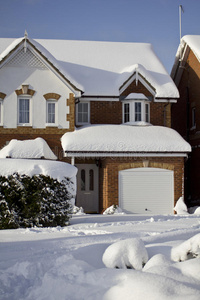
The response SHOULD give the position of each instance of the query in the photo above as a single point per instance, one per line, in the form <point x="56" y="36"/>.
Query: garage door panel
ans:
<point x="148" y="191"/>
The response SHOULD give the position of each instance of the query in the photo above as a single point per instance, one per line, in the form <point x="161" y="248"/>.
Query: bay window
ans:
<point x="136" y="110"/>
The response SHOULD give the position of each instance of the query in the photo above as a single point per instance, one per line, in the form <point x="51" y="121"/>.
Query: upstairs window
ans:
<point x="82" y="113"/>
<point x="51" y="112"/>
<point x="23" y="111"/>
<point x="136" y="109"/>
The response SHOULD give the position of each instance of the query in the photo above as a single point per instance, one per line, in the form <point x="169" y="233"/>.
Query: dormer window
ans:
<point x="136" y="109"/>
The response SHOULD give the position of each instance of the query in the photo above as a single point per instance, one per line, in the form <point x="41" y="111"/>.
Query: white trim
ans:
<point x="166" y="100"/>
<point x="83" y="123"/>
<point x="123" y="88"/>
<point x="1" y="112"/>
<point x="99" y="98"/>
<point x="125" y="154"/>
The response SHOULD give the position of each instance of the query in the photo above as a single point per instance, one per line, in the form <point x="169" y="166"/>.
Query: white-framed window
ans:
<point x="83" y="113"/>
<point x="51" y="113"/>
<point x="1" y="112"/>
<point x="193" y="118"/>
<point x="136" y="111"/>
<point x="24" y="110"/>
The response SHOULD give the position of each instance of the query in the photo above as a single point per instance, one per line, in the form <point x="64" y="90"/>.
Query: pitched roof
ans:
<point x="101" y="68"/>
<point x="123" y="139"/>
<point x="191" y="41"/>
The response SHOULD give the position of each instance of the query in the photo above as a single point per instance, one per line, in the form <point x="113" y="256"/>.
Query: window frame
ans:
<point x="55" y="102"/>
<point x="1" y="112"/>
<point x="88" y="113"/>
<point x="24" y="97"/>
<point x="132" y="111"/>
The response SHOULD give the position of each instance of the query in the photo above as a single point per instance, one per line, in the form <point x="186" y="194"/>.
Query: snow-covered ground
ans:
<point x="66" y="263"/>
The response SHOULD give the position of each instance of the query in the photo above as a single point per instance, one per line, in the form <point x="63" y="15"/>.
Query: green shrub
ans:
<point x="34" y="201"/>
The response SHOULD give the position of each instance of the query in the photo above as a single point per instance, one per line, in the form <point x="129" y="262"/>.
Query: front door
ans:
<point x="87" y="188"/>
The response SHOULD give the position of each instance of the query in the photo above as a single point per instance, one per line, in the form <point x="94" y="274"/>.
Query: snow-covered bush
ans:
<point x="114" y="209"/>
<point x="130" y="253"/>
<point x="78" y="210"/>
<point x="186" y="250"/>
<point x="33" y="201"/>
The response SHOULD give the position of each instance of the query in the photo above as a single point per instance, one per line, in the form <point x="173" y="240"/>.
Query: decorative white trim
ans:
<point x="165" y="100"/>
<point x="139" y="78"/>
<point x="125" y="155"/>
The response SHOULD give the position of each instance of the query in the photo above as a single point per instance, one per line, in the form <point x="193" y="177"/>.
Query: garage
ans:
<point x="146" y="191"/>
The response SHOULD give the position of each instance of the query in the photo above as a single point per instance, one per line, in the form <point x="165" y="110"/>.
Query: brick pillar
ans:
<point x="71" y="114"/>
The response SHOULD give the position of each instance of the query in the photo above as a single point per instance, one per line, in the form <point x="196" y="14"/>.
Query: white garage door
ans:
<point x="146" y="191"/>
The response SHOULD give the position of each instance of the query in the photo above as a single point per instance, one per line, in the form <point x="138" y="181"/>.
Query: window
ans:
<point x="91" y="178"/>
<point x="82" y="180"/>
<point x="51" y="112"/>
<point x="24" y="111"/>
<point x="82" y="113"/>
<point x="193" y="117"/>
<point x="126" y="113"/>
<point x="1" y="112"/>
<point x="136" y="111"/>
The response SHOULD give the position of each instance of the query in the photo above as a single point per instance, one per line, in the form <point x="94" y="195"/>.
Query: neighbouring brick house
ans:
<point x="101" y="100"/>
<point x="186" y="113"/>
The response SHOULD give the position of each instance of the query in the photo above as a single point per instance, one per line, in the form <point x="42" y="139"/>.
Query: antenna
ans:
<point x="180" y="14"/>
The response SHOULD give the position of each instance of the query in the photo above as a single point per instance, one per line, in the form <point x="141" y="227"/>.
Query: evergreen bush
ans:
<point x="34" y="201"/>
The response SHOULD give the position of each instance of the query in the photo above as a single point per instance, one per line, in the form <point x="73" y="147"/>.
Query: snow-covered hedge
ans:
<point x="130" y="253"/>
<point x="38" y="200"/>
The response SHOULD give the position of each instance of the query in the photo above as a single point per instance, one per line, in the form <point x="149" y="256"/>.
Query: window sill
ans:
<point x="51" y="125"/>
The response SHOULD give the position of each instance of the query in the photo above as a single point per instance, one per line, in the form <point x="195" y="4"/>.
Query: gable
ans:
<point x="26" y="59"/>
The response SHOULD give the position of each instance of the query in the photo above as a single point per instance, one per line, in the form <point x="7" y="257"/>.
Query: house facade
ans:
<point x="106" y="108"/>
<point x="185" y="115"/>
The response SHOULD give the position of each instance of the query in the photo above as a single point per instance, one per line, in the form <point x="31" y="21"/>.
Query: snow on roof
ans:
<point x="86" y="63"/>
<point x="55" y="169"/>
<point x="136" y="96"/>
<point x="37" y="148"/>
<point x="123" y="138"/>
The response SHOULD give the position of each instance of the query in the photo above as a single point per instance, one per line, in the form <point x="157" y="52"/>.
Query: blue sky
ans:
<point x="152" y="21"/>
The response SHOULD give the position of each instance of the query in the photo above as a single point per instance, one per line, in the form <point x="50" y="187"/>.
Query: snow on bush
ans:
<point x="194" y="210"/>
<point x="181" y="207"/>
<point x="186" y="250"/>
<point x="130" y="253"/>
<point x="78" y="210"/>
<point x="37" y="148"/>
<point x="114" y="209"/>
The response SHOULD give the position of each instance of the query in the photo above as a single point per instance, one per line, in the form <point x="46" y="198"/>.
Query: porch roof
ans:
<point x="124" y="139"/>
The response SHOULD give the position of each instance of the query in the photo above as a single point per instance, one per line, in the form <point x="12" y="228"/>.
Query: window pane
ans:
<point x="126" y="113"/>
<point x="50" y="112"/>
<point x="82" y="180"/>
<point x="23" y="110"/>
<point x="91" y="174"/>
<point x="147" y="112"/>
<point x="83" y="115"/>
<point x="138" y="110"/>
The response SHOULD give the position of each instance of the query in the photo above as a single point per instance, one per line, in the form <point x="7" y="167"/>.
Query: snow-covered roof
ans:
<point x="37" y="148"/>
<point x="123" y="138"/>
<point x="87" y="63"/>
<point x="30" y="167"/>
<point x="193" y="42"/>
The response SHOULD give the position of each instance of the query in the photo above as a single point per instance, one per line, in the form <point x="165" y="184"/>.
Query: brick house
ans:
<point x="110" y="105"/>
<point x="185" y="114"/>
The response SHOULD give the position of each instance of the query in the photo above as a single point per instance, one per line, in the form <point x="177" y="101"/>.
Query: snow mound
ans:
<point x="186" y="250"/>
<point x="124" y="138"/>
<point x="157" y="260"/>
<point x="130" y="253"/>
<point x="37" y="148"/>
<point x="181" y="207"/>
<point x="194" y="210"/>
<point x="78" y="210"/>
<point x="114" y="209"/>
